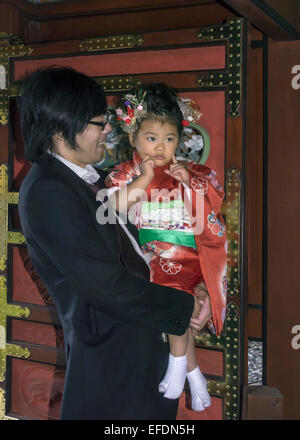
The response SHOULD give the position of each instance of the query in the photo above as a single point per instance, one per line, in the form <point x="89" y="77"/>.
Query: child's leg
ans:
<point x="179" y="344"/>
<point x="173" y="382"/>
<point x="191" y="356"/>
<point x="197" y="382"/>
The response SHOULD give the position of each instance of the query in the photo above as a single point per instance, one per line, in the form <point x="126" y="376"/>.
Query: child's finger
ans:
<point x="176" y="167"/>
<point x="177" y="176"/>
<point x="174" y="159"/>
<point x="148" y="159"/>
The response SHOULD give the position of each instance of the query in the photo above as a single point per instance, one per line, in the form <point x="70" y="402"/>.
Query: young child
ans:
<point x="176" y="207"/>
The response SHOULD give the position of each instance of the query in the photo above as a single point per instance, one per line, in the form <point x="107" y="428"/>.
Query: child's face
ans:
<point x="157" y="140"/>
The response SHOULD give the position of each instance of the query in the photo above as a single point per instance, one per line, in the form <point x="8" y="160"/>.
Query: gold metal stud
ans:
<point x="111" y="43"/>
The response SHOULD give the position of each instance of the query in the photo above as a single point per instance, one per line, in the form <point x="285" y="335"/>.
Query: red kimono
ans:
<point x="182" y="232"/>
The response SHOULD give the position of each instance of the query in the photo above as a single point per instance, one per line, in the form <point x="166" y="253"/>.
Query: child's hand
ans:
<point x="178" y="172"/>
<point x="147" y="167"/>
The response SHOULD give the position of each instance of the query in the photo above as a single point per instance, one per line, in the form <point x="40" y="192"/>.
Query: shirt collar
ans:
<point x="88" y="174"/>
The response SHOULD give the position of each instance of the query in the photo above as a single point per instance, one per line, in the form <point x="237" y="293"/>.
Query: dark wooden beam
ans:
<point x="79" y="19"/>
<point x="80" y="7"/>
<point x="278" y="20"/>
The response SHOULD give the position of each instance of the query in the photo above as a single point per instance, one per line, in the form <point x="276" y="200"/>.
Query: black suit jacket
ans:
<point x="111" y="319"/>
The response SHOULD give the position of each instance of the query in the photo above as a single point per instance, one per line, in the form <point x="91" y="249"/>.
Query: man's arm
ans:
<point x="62" y="227"/>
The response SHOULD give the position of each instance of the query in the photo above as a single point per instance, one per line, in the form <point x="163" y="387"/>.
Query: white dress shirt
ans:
<point x="90" y="175"/>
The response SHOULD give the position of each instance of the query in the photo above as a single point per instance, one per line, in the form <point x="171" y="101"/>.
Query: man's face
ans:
<point x="91" y="144"/>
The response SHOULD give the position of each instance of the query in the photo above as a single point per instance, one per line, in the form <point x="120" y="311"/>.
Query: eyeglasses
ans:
<point x="102" y="124"/>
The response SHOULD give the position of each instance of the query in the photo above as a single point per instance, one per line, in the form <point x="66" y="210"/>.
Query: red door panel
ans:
<point x="203" y="67"/>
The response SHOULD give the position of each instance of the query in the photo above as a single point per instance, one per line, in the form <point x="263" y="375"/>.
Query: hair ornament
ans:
<point x="192" y="141"/>
<point x="190" y="111"/>
<point x="135" y="108"/>
<point x="194" y="144"/>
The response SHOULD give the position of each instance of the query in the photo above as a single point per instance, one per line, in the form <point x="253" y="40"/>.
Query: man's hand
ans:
<point x="201" y="291"/>
<point x="201" y="317"/>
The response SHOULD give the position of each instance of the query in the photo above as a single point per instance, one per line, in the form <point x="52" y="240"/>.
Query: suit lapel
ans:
<point x="71" y="178"/>
<point x="125" y="250"/>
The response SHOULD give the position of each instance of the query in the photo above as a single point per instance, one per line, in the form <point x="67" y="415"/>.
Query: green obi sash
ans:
<point x="170" y="236"/>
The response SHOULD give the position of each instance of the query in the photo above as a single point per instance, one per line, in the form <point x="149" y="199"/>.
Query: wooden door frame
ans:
<point x="233" y="80"/>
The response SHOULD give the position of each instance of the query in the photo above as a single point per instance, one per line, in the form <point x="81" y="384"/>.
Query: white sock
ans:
<point x="173" y="382"/>
<point x="198" y="387"/>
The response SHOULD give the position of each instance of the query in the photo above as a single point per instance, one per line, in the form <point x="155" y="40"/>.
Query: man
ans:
<point x="112" y="316"/>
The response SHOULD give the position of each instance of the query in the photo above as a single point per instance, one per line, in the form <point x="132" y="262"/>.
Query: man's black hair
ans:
<point x="57" y="100"/>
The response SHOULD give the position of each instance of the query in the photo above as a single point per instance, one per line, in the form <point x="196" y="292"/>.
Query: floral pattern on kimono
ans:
<point x="182" y="232"/>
